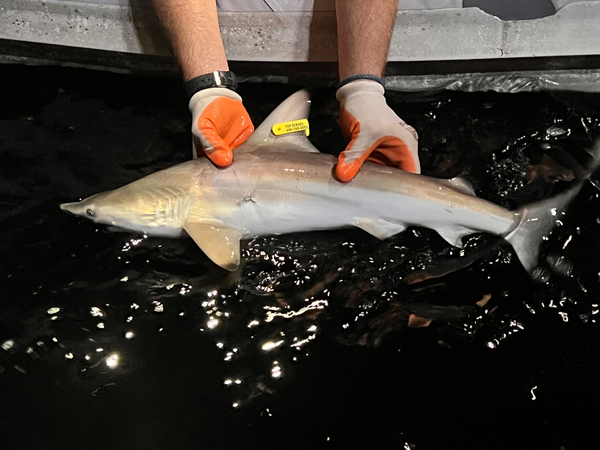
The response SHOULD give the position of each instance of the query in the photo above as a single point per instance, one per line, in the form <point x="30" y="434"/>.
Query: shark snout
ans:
<point x="70" y="207"/>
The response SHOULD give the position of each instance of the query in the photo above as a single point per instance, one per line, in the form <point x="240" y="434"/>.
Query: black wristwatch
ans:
<point x="217" y="78"/>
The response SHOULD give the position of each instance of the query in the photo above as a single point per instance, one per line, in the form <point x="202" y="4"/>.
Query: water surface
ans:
<point x="113" y="340"/>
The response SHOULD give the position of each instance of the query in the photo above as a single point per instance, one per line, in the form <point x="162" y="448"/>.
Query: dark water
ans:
<point x="116" y="341"/>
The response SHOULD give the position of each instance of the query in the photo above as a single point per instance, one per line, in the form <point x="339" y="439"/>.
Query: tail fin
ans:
<point x="537" y="220"/>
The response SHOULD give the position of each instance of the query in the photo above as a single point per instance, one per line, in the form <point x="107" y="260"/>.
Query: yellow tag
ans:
<point x="291" y="127"/>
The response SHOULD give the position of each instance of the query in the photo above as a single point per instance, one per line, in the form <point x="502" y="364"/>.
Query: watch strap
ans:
<point x="218" y="78"/>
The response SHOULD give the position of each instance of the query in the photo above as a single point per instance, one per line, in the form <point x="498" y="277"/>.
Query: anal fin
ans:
<point x="380" y="228"/>
<point x="454" y="235"/>
<point x="219" y="242"/>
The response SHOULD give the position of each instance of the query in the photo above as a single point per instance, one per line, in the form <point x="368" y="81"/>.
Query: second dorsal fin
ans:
<point x="295" y="107"/>
<point x="461" y="184"/>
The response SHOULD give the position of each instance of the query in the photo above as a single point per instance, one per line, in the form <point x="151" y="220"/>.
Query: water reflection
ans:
<point x="112" y="361"/>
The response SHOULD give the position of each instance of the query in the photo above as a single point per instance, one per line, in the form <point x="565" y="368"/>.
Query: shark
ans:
<point x="282" y="184"/>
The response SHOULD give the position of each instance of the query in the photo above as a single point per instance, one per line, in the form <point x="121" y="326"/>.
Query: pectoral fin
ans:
<point x="219" y="242"/>
<point x="381" y="229"/>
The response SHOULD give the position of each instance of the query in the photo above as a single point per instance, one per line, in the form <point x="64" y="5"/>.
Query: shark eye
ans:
<point x="90" y="212"/>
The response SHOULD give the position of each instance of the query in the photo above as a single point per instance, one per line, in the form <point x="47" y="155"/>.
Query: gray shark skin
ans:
<point x="283" y="184"/>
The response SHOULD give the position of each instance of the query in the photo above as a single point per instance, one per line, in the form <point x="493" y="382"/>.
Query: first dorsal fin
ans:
<point x="295" y="107"/>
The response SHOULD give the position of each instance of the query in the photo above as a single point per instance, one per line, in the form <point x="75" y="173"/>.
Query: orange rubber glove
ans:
<point x="220" y="123"/>
<point x="375" y="133"/>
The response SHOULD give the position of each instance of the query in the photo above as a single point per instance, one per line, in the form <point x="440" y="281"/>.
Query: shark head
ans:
<point x="126" y="208"/>
<point x="108" y="208"/>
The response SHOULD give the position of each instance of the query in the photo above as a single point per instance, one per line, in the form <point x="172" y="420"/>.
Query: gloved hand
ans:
<point x="374" y="131"/>
<point x="220" y="123"/>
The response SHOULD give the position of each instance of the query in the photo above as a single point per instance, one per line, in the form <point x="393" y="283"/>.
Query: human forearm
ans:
<point x="364" y="34"/>
<point x="193" y="29"/>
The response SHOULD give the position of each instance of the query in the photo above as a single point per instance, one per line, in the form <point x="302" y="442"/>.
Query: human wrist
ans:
<point x="196" y="64"/>
<point x="215" y="79"/>
<point x="359" y="77"/>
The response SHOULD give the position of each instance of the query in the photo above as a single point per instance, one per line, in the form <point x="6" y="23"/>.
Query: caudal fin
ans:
<point x="537" y="221"/>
